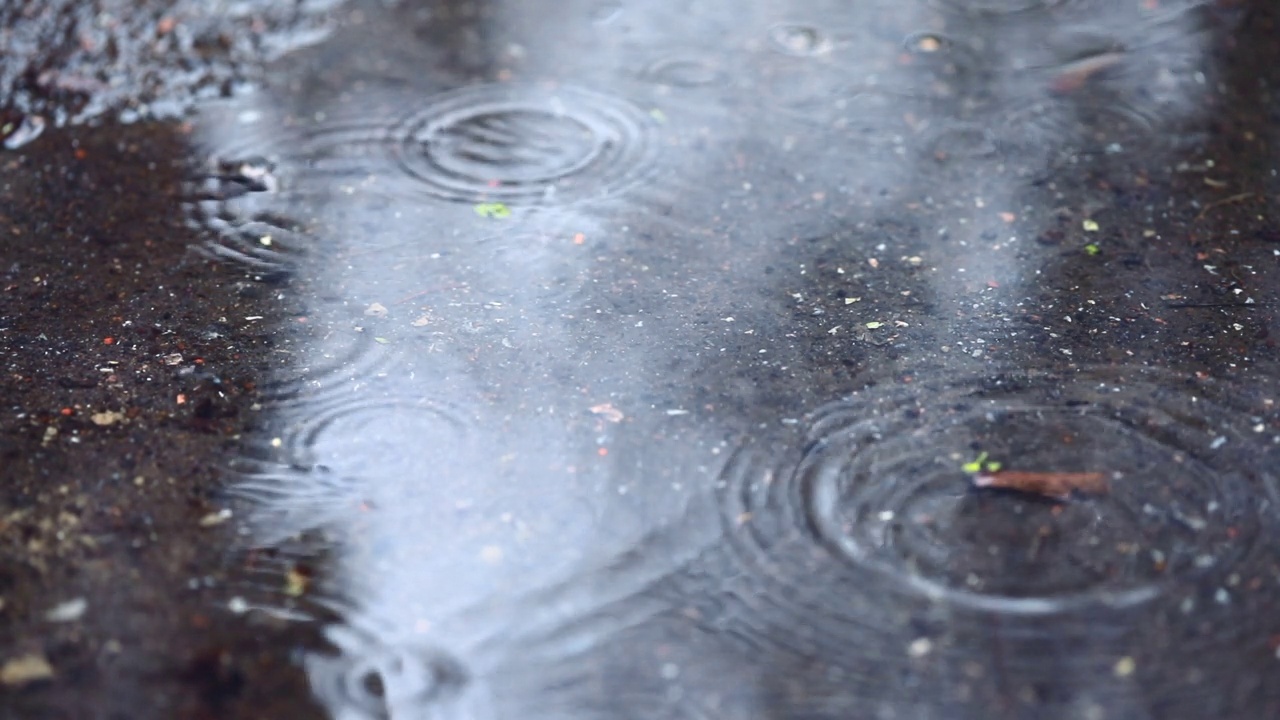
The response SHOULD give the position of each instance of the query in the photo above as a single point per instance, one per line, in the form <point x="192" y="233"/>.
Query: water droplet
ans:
<point x="799" y="40"/>
<point x="370" y="679"/>
<point x="683" y="72"/>
<point x="928" y="43"/>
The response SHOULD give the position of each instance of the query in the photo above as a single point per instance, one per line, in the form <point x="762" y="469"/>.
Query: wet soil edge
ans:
<point x="130" y="371"/>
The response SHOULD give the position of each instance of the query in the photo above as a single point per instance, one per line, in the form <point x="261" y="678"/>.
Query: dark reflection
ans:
<point x="653" y="360"/>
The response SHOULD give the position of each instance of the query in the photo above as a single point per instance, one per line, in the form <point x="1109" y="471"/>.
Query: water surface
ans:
<point x="645" y="351"/>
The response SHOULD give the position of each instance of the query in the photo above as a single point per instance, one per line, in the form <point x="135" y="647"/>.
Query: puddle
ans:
<point x="659" y="373"/>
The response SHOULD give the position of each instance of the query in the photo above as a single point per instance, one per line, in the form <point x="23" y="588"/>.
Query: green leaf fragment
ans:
<point x="981" y="464"/>
<point x="1092" y="249"/>
<point x="381" y="340"/>
<point x="873" y="325"/>
<point x="975" y="466"/>
<point x="496" y="210"/>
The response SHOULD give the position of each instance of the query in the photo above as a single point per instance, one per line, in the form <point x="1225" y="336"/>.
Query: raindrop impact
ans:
<point x="877" y="549"/>
<point x="371" y="680"/>
<point x="335" y="460"/>
<point x="525" y="145"/>
<point x="998" y="7"/>
<point x="799" y="39"/>
<point x="889" y="487"/>
<point x="684" y="72"/>
<point x="233" y="203"/>
<point x="516" y="144"/>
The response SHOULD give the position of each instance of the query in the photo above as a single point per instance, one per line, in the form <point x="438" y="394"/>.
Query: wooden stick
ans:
<point x="1057" y="485"/>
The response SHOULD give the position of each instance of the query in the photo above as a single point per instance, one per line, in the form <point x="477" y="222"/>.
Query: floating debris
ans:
<point x="608" y="412"/>
<point x="495" y="210"/>
<point x="980" y="464"/>
<point x="1056" y="485"/>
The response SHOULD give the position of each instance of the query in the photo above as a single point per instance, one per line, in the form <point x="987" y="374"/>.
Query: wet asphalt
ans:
<point x="592" y="359"/>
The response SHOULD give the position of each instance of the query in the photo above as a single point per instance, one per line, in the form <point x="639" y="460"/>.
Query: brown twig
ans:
<point x="1057" y="485"/>
<point x="1224" y="201"/>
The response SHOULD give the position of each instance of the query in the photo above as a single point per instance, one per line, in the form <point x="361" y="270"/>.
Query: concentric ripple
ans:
<point x="684" y="71"/>
<point x="335" y="461"/>
<point x="998" y="7"/>
<point x="525" y="144"/>
<point x="235" y="204"/>
<point x="1192" y="496"/>
<point x="884" y="488"/>
<point x="871" y="550"/>
<point x="367" y="679"/>
<point x="347" y="361"/>
<point x="799" y="39"/>
<point x="960" y="141"/>
<point x="517" y="144"/>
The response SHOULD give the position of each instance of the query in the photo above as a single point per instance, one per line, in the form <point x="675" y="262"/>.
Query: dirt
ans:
<point x="129" y="370"/>
<point x="74" y="62"/>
